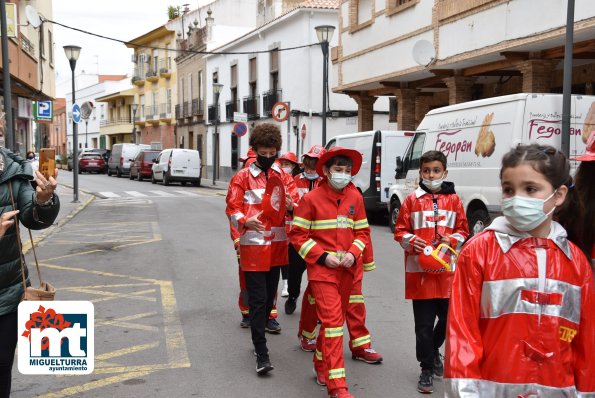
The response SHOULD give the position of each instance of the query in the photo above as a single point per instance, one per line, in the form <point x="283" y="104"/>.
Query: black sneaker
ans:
<point x="273" y="326"/>
<point x="438" y="364"/>
<point x="425" y="385"/>
<point x="263" y="364"/>
<point x="290" y="305"/>
<point x="245" y="322"/>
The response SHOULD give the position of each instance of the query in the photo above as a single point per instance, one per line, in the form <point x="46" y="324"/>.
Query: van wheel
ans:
<point x="478" y="220"/>
<point x="165" y="179"/>
<point x="153" y="180"/>
<point x="118" y="173"/>
<point x="395" y="207"/>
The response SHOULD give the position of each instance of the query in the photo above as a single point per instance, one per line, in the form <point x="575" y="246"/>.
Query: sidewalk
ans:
<point x="67" y="211"/>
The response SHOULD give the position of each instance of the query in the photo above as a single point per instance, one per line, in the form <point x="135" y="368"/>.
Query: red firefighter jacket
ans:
<point x="305" y="185"/>
<point x="258" y="250"/>
<point x="429" y="216"/>
<point x="330" y="222"/>
<point x="521" y="321"/>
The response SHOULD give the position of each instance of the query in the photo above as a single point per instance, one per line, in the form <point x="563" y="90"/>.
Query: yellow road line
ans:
<point x="74" y="254"/>
<point x="115" y="295"/>
<point x="104" y="286"/>
<point x="174" y="334"/>
<point x="140" y="368"/>
<point x="101" y="273"/>
<point x="95" y="384"/>
<point x="126" y="351"/>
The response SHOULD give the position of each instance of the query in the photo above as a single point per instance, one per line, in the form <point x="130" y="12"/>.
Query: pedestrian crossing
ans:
<point x="149" y="194"/>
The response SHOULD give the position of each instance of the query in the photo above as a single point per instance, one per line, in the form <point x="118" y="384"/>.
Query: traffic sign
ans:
<point x="76" y="113"/>
<point x="280" y="111"/>
<point x="44" y="111"/>
<point x="304" y="130"/>
<point x="240" y="129"/>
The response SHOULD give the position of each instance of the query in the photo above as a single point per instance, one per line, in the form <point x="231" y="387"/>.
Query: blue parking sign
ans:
<point x="44" y="110"/>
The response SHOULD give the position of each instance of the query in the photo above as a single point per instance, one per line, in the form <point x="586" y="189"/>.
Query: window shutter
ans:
<point x="274" y="60"/>
<point x="252" y="70"/>
<point x="234" y="76"/>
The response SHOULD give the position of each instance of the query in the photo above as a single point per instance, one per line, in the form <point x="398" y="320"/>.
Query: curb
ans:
<point x="53" y="228"/>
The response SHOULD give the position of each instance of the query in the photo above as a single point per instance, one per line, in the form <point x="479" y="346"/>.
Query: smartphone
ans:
<point x="47" y="162"/>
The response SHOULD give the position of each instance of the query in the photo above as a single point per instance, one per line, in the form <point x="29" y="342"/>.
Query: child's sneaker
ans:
<point x="284" y="292"/>
<point x="245" y="322"/>
<point x="340" y="393"/>
<point x="319" y="378"/>
<point x="273" y="326"/>
<point x="308" y="345"/>
<point x="263" y="364"/>
<point x="290" y="305"/>
<point x="438" y="364"/>
<point x="367" y="355"/>
<point x="425" y="385"/>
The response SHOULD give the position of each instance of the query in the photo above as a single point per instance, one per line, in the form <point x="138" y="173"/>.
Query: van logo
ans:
<point x="451" y="146"/>
<point x="546" y="128"/>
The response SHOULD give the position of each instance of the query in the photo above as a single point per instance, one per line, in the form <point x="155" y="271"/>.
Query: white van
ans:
<point x="379" y="150"/>
<point x="121" y="157"/>
<point x="173" y="165"/>
<point x="475" y="135"/>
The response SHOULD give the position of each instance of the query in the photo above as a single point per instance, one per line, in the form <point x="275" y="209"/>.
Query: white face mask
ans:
<point x="312" y="176"/>
<point x="525" y="214"/>
<point x="433" y="185"/>
<point x="288" y="169"/>
<point x="340" y="180"/>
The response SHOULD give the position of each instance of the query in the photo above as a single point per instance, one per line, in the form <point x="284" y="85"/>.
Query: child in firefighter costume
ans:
<point x="522" y="316"/>
<point x="330" y="231"/>
<point x="263" y="244"/>
<point x="431" y="215"/>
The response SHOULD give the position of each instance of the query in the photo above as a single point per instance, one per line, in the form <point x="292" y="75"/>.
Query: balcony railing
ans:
<point x="151" y="73"/>
<point x="151" y="112"/>
<point x="116" y="121"/>
<point x="165" y="65"/>
<point x="251" y="105"/>
<point x="230" y="108"/>
<point x="165" y="111"/>
<point x="185" y="109"/>
<point x="197" y="107"/>
<point x="27" y="45"/>
<point x="269" y="98"/>
<point x="212" y="113"/>
<point x="178" y="111"/>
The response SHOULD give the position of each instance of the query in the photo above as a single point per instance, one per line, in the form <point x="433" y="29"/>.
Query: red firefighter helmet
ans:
<point x="273" y="201"/>
<point x="290" y="157"/>
<point x="315" y="152"/>
<point x="589" y="155"/>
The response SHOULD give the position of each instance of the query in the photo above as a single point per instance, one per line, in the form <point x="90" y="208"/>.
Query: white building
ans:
<point x="88" y="133"/>
<point x="253" y="82"/>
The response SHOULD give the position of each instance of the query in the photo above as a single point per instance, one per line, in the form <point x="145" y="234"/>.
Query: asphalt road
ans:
<point x="159" y="267"/>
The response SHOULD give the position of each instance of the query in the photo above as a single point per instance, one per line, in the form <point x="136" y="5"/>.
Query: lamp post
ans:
<point x="324" y="34"/>
<point x="72" y="53"/>
<point x="217" y="87"/>
<point x="134" y="108"/>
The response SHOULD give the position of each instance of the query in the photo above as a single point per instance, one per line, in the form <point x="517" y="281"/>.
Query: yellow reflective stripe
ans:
<point x="318" y="355"/>
<point x="360" y="224"/>
<point x="361" y="245"/>
<point x="336" y="373"/>
<point x="361" y="341"/>
<point x="356" y="298"/>
<point x="236" y="240"/>
<point x="274" y="312"/>
<point x="301" y="222"/>
<point x="331" y="224"/>
<point x="333" y="332"/>
<point x="370" y="266"/>
<point x="311" y="299"/>
<point x="245" y="312"/>
<point x="309" y="335"/>
<point x="306" y="247"/>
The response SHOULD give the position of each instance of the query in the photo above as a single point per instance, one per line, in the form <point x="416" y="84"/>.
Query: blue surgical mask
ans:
<point x="525" y="214"/>
<point x="311" y="177"/>
<point x="433" y="185"/>
<point x="340" y="180"/>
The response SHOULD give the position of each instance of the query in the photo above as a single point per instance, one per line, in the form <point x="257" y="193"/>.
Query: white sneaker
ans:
<point x="284" y="292"/>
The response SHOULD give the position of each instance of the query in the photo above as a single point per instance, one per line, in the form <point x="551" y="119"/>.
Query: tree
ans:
<point x="173" y="12"/>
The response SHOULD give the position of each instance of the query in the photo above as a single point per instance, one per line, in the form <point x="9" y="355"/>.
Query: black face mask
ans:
<point x="30" y="157"/>
<point x="264" y="162"/>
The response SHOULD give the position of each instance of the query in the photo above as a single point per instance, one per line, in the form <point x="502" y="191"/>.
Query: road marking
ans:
<point x="121" y="322"/>
<point x="188" y="193"/>
<point x="126" y="351"/>
<point x="163" y="194"/>
<point x="96" y="384"/>
<point x="175" y="342"/>
<point x="109" y="194"/>
<point x="112" y="295"/>
<point x="136" y="194"/>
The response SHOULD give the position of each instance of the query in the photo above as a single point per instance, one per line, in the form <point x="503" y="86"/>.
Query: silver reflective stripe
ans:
<point x="302" y="192"/>
<point x="504" y="297"/>
<point x="253" y="238"/>
<point x="406" y="241"/>
<point x="279" y="234"/>
<point x="412" y="264"/>
<point x="235" y="218"/>
<point x="423" y="219"/>
<point x="473" y="388"/>
<point x="586" y="394"/>
<point x="253" y="197"/>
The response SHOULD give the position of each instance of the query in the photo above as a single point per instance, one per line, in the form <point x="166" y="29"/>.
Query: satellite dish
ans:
<point x="32" y="16"/>
<point x="423" y="52"/>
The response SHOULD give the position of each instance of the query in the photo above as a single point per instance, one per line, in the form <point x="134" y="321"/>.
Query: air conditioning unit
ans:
<point x="133" y="58"/>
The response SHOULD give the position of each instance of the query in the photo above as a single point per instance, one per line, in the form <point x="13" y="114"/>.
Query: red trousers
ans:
<point x="243" y="298"/>
<point x="332" y="299"/>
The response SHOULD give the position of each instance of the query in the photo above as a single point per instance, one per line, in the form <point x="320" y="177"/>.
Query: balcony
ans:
<point x="122" y="125"/>
<point x="165" y="112"/>
<point x="178" y="112"/>
<point x="151" y="113"/>
<point x="185" y="109"/>
<point x="211" y="113"/>
<point x="230" y="108"/>
<point x="269" y="98"/>
<point x="138" y="78"/>
<point x="251" y="105"/>
<point x="165" y="67"/>
<point x="197" y="107"/>
<point x="151" y="75"/>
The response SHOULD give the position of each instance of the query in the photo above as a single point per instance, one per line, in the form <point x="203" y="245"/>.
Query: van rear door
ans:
<point x="393" y="144"/>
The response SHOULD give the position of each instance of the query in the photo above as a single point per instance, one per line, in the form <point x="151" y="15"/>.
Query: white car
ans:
<point x="173" y="165"/>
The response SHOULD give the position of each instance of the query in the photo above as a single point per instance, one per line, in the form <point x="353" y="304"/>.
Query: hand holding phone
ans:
<point x="47" y="162"/>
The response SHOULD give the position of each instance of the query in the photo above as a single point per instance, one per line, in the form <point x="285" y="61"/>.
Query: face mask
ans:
<point x="264" y="162"/>
<point x="288" y="170"/>
<point x="433" y="185"/>
<point x="30" y="157"/>
<point x="340" y="180"/>
<point x="311" y="177"/>
<point x="525" y="214"/>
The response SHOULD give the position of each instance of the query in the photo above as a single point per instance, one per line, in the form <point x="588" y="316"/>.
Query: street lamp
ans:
<point x="324" y="34"/>
<point x="134" y="108"/>
<point x="217" y="87"/>
<point x="72" y="53"/>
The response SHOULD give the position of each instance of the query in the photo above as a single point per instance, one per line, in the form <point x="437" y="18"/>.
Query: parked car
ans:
<point x="91" y="162"/>
<point x="173" y="165"/>
<point x="103" y="152"/>
<point x="121" y="157"/>
<point x="142" y="165"/>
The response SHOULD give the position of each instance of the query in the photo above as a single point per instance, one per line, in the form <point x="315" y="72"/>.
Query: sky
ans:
<point x="120" y="19"/>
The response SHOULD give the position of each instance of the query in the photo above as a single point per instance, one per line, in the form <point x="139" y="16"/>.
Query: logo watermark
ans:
<point x="56" y="337"/>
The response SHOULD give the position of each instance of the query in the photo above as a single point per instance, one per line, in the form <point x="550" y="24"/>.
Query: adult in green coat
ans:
<point x="36" y="208"/>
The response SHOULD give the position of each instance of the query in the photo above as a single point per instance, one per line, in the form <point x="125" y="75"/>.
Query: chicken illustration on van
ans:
<point x="486" y="140"/>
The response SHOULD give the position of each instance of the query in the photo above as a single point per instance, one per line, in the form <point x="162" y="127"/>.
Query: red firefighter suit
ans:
<point x="522" y="317"/>
<point x="331" y="222"/>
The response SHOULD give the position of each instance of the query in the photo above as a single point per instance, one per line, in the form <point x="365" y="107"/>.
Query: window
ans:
<point x="142" y="105"/>
<point x="361" y="14"/>
<point x="234" y="76"/>
<point x="155" y="60"/>
<point x="274" y="82"/>
<point x="200" y="85"/>
<point x="394" y="6"/>
<point x="155" y="102"/>
<point x="252" y="77"/>
<point x="50" y="46"/>
<point x="168" y="100"/>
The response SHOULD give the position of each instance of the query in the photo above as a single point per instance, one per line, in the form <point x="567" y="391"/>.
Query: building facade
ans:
<point x="58" y="134"/>
<point x="431" y="53"/>
<point x="117" y="125"/>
